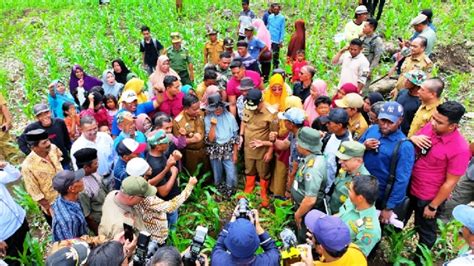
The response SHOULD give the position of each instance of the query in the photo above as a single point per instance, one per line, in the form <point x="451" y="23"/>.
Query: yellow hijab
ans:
<point x="136" y="85"/>
<point x="270" y="98"/>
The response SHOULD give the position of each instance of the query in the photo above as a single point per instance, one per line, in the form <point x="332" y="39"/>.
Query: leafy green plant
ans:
<point x="449" y="243"/>
<point x="397" y="243"/>
<point x="24" y="199"/>
<point x="33" y="251"/>
<point x="426" y="257"/>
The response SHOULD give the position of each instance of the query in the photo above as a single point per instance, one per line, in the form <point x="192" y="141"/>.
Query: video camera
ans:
<point x="243" y="210"/>
<point x="290" y="253"/>
<point x="190" y="257"/>
<point x="145" y="249"/>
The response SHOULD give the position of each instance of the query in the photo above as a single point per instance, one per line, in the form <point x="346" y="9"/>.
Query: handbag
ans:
<point x="401" y="209"/>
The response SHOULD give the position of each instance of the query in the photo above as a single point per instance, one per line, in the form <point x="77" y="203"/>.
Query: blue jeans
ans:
<point x="172" y="218"/>
<point x="218" y="168"/>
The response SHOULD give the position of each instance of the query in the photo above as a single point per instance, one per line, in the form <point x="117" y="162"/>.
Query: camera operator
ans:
<point x="169" y="256"/>
<point x="331" y="239"/>
<point x="117" y="252"/>
<point x="238" y="241"/>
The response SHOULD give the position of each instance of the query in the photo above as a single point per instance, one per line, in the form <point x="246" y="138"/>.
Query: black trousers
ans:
<point x="15" y="242"/>
<point x="276" y="55"/>
<point x="372" y="5"/>
<point x="265" y="66"/>
<point x="49" y="219"/>
<point x="426" y="228"/>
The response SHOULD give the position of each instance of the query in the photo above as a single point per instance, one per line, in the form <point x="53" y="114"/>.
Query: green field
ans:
<point x="40" y="40"/>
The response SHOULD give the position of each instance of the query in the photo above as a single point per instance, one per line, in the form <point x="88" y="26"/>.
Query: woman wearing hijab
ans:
<point x="136" y="85"/>
<point x="120" y="71"/>
<point x="143" y="123"/>
<point x="57" y="96"/>
<point x="346" y="88"/>
<point x="162" y="69"/>
<point x="110" y="84"/>
<point x="275" y="95"/>
<point x="318" y="88"/>
<point x="264" y="35"/>
<point x="80" y="82"/>
<point x="209" y="91"/>
<point x="297" y="41"/>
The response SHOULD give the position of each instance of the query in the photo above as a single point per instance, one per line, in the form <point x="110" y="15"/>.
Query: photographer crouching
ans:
<point x="241" y="237"/>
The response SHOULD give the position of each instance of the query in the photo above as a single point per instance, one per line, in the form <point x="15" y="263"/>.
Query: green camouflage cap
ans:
<point x="137" y="186"/>
<point x="159" y="137"/>
<point x="350" y="149"/>
<point x="416" y="76"/>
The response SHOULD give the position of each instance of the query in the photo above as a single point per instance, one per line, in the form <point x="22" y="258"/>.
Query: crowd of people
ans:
<point x="107" y="152"/>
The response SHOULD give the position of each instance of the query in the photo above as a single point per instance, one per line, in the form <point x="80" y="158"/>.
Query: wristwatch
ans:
<point x="431" y="208"/>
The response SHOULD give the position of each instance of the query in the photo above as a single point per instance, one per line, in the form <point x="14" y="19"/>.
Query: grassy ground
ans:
<point x="40" y="40"/>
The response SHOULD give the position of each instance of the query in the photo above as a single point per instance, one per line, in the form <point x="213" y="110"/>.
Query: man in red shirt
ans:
<point x="443" y="155"/>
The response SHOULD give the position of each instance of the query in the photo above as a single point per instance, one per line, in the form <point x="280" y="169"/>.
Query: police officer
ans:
<point x="359" y="213"/>
<point x="308" y="187"/>
<point x="180" y="60"/>
<point x="350" y="156"/>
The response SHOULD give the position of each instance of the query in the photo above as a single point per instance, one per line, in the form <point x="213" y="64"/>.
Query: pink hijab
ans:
<point x="262" y="32"/>
<point x="310" y="108"/>
<point x="210" y="90"/>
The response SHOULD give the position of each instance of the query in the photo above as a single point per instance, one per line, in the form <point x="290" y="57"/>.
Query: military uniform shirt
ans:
<point x="258" y="125"/>
<point x="179" y="59"/>
<point x="357" y="126"/>
<point x="373" y="49"/>
<point x="213" y="50"/>
<point x="363" y="225"/>
<point x="341" y="187"/>
<point x="310" y="179"/>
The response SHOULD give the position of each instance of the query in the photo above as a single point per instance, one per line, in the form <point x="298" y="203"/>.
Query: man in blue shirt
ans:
<point x="68" y="219"/>
<point x="276" y="26"/>
<point x="13" y="223"/>
<point x="256" y="47"/>
<point x="380" y="141"/>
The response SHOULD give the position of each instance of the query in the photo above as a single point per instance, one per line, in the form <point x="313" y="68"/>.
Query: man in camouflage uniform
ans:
<point x="180" y="60"/>
<point x="350" y="156"/>
<point x="308" y="187"/>
<point x="372" y="45"/>
<point x="359" y="213"/>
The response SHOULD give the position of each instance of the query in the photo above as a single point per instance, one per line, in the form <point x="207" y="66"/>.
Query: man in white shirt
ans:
<point x="355" y="67"/>
<point x="102" y="142"/>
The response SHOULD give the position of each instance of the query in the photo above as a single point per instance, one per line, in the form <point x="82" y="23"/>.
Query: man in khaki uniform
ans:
<point x="430" y="97"/>
<point x="7" y="150"/>
<point x="213" y="48"/>
<point x="257" y="123"/>
<point x="417" y="60"/>
<point x="190" y="123"/>
<point x="350" y="156"/>
<point x="352" y="103"/>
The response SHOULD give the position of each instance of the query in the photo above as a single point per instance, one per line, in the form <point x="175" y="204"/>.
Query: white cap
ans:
<point x="418" y="19"/>
<point x="137" y="167"/>
<point x="361" y="10"/>
<point x="129" y="96"/>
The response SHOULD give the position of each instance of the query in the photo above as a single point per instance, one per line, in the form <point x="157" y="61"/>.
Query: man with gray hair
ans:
<point x="102" y="142"/>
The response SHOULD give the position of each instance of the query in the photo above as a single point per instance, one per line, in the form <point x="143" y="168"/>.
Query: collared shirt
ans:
<point x="449" y="154"/>
<point x="93" y="196"/>
<point x="255" y="46"/>
<point x="233" y="84"/>
<point x="179" y="59"/>
<point x="11" y="214"/>
<point x="330" y="152"/>
<point x="104" y="144"/>
<point x="378" y="161"/>
<point x="363" y="225"/>
<point x="342" y="184"/>
<point x="38" y="174"/>
<point x="142" y="108"/>
<point x="357" y="125"/>
<point x="115" y="214"/>
<point x="421" y="62"/>
<point x="353" y="69"/>
<point x="258" y="125"/>
<point x="410" y="105"/>
<point x="352" y="30"/>
<point x="192" y="126"/>
<point x="310" y="179"/>
<point x="352" y="257"/>
<point x="422" y="117"/>
<point x="276" y="27"/>
<point x="248" y="62"/>
<point x="154" y="210"/>
<point x="68" y="220"/>
<point x="212" y="51"/>
<point x="222" y="256"/>
<point x="373" y="49"/>
<point x="430" y="36"/>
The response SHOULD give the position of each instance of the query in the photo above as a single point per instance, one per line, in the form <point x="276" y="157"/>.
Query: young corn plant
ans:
<point x="449" y="243"/>
<point x="397" y="243"/>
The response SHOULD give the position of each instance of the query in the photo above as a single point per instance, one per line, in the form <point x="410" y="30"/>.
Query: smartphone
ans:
<point x="400" y="39"/>
<point x="128" y="229"/>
